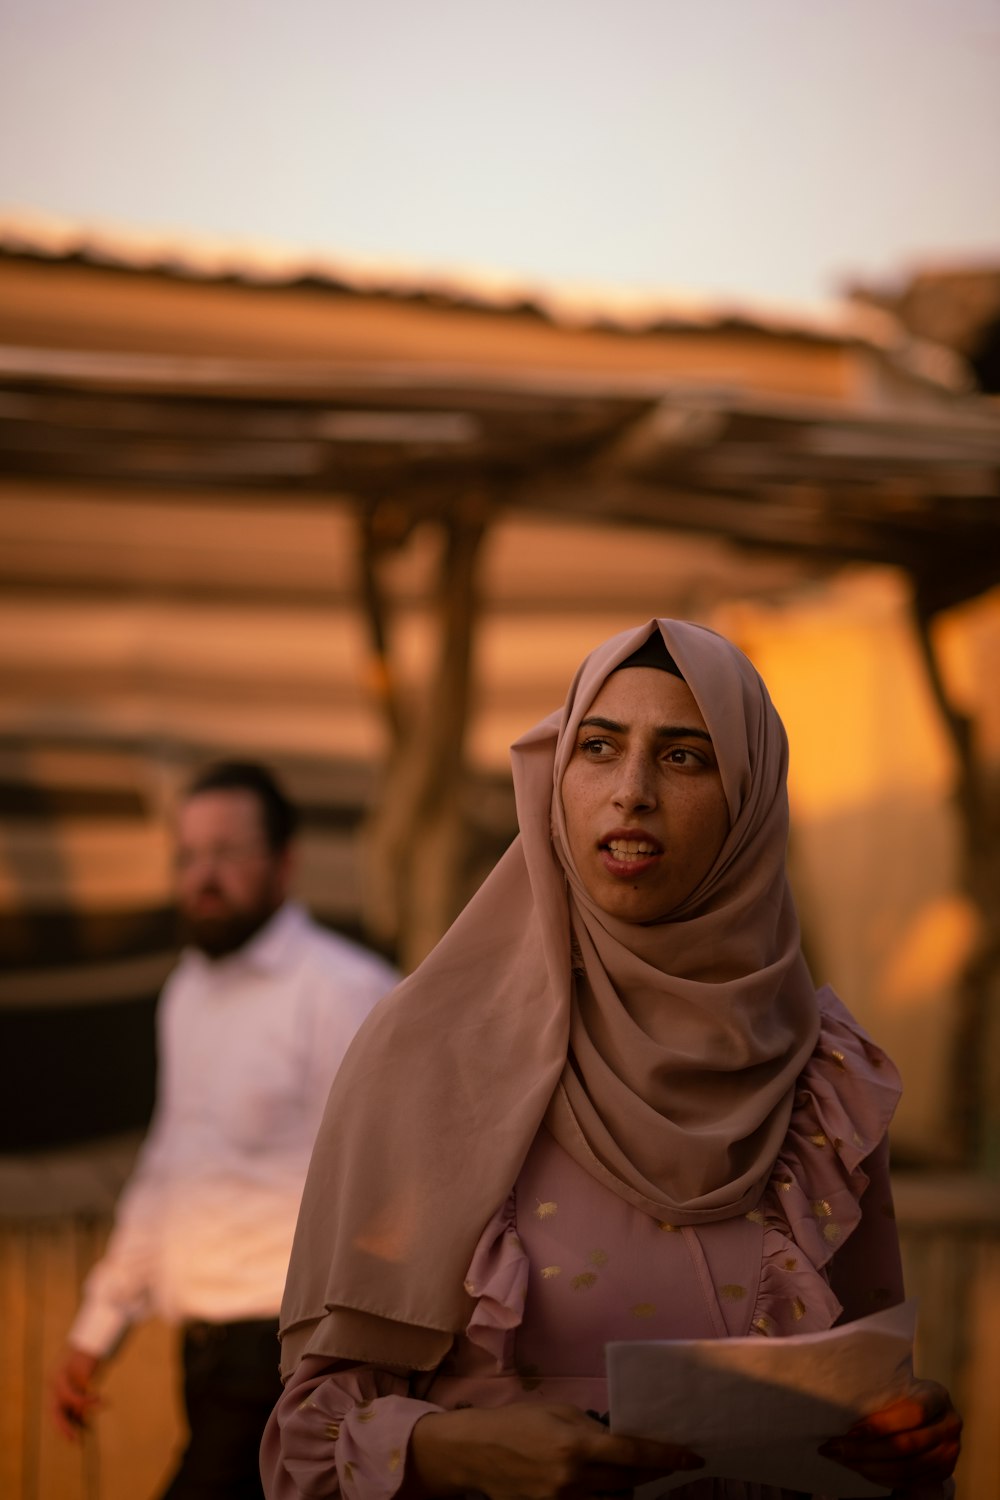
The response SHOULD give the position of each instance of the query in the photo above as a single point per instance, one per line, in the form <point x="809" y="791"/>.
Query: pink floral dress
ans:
<point x="566" y="1266"/>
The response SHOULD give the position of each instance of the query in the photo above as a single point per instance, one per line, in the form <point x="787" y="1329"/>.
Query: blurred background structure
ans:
<point x="363" y="519"/>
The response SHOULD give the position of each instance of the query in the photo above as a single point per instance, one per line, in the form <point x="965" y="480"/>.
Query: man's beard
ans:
<point x="222" y="933"/>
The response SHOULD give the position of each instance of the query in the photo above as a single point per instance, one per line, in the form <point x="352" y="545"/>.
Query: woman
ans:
<point x="610" y="1104"/>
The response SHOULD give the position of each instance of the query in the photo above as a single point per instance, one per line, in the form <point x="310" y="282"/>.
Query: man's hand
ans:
<point x="74" y="1396"/>
<point x="911" y="1443"/>
<point x="526" y="1452"/>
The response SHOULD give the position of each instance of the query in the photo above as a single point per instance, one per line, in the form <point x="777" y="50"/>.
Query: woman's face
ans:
<point x="645" y="811"/>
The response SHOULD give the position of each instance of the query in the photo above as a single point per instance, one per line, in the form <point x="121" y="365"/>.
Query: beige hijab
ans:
<point x="663" y="1057"/>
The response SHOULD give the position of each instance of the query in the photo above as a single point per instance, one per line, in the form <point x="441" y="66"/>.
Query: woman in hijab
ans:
<point x="609" y="1105"/>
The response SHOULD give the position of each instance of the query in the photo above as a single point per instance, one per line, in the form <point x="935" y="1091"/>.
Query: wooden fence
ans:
<point x="951" y="1240"/>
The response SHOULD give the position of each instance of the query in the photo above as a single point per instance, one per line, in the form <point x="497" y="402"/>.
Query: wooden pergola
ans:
<point x="454" y="442"/>
<point x="436" y="432"/>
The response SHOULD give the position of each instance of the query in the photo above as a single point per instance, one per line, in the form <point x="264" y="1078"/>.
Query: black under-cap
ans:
<point x="652" y="653"/>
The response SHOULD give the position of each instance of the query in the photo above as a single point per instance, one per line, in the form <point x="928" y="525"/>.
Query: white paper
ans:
<point x="758" y="1408"/>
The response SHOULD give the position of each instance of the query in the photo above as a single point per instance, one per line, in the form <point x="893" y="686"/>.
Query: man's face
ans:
<point x="228" y="879"/>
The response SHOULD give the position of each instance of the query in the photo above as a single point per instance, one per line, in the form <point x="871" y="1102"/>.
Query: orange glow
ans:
<point x="930" y="954"/>
<point x="846" y="676"/>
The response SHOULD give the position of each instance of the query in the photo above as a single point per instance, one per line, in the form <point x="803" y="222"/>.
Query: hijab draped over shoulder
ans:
<point x="662" y="1057"/>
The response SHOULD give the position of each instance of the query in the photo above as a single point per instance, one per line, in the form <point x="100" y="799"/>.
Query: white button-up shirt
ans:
<point x="248" y="1046"/>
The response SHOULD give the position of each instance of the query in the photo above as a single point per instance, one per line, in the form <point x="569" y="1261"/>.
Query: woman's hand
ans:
<point x="526" y="1452"/>
<point x="911" y="1443"/>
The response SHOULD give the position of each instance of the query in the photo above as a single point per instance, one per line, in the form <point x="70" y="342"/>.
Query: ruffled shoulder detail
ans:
<point x="498" y="1280"/>
<point x="845" y="1098"/>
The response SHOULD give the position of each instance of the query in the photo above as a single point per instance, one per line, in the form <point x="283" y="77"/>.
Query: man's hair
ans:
<point x="280" y="816"/>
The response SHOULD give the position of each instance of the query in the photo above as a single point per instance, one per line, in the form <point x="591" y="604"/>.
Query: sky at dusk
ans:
<point x="770" y="149"/>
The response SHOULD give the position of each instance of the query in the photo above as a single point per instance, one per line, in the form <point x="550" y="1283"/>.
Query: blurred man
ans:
<point x="252" y="1025"/>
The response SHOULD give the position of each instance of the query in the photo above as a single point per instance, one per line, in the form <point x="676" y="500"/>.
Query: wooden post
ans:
<point x="414" y="839"/>
<point x="974" y="1089"/>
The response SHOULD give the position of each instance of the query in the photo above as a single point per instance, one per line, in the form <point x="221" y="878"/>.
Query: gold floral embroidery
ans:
<point x="643" y="1309"/>
<point x="395" y="1459"/>
<point x="798" y="1309"/>
<point x="858" y="1140"/>
<point x="546" y="1210"/>
<point x="763" y="1325"/>
<point x="515" y="1240"/>
<point x="785" y="1184"/>
<point x="732" y="1292"/>
<point x="347" y="1472"/>
<point x="831" y="1233"/>
<point x="838" y="1058"/>
<point x="822" y="1209"/>
<point x="819" y="1139"/>
<point x="837" y="1143"/>
<point x="548" y="1272"/>
<point x="307" y="1402"/>
<point x="584" y="1281"/>
<point x="791" y="1263"/>
<point x="366" y="1416"/>
<point x="670" y="1228"/>
<point x="755" y="1216"/>
<point x="332" y="1430"/>
<point x="598" y="1258"/>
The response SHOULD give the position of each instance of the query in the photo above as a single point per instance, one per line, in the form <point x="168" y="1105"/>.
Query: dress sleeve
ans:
<point x="827" y="1207"/>
<point x="866" y="1272"/>
<point x="339" y="1430"/>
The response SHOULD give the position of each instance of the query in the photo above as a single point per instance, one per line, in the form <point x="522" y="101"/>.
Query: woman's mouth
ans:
<point x="629" y="855"/>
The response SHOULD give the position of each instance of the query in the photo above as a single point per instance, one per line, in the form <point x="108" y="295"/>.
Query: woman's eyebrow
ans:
<point x="604" y="724"/>
<point x="664" y="731"/>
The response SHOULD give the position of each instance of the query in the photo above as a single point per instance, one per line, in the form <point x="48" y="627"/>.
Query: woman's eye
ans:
<point x="593" y="746"/>
<point x="680" y="755"/>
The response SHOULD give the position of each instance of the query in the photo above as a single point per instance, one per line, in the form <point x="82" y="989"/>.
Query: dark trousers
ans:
<point x="231" y="1384"/>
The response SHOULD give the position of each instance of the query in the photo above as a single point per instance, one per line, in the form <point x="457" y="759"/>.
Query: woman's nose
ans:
<point x="636" y="789"/>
